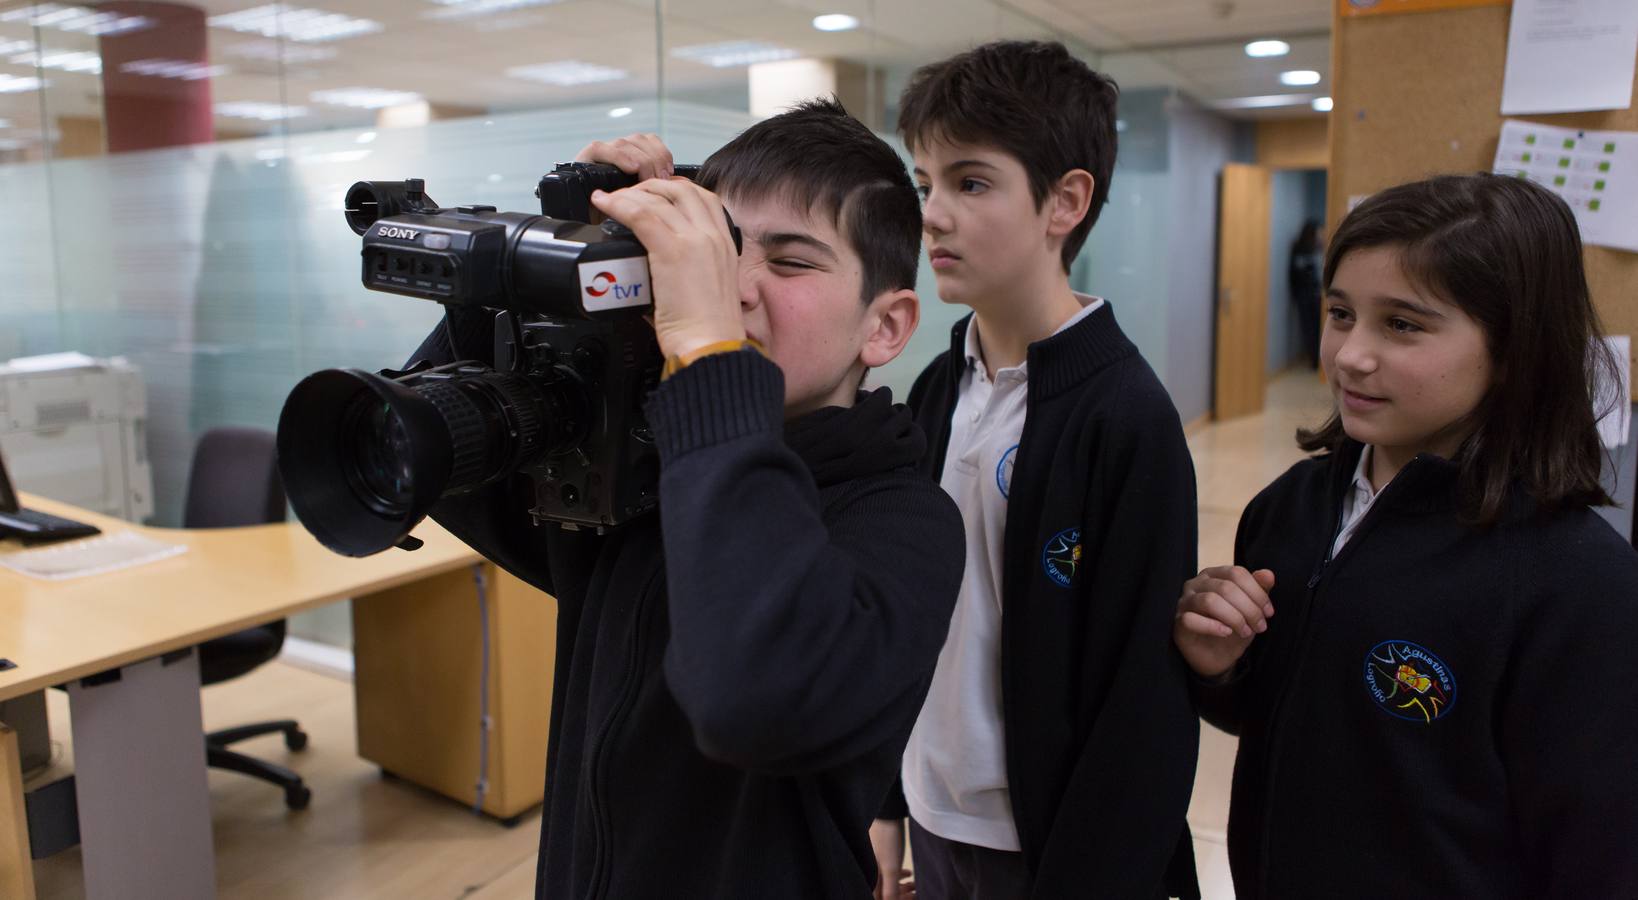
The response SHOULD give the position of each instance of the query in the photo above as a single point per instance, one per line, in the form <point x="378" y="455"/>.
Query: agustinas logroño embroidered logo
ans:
<point x="1409" y="681"/>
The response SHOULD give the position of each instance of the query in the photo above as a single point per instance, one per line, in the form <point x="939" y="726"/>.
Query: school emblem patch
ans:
<point x="1003" y="471"/>
<point x="1408" y="681"/>
<point x="1062" y="556"/>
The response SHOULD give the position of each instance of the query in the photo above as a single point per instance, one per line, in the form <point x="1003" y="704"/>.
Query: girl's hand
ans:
<point x="1222" y="609"/>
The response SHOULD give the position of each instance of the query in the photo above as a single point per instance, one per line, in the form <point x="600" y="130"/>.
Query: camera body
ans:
<point x="573" y="360"/>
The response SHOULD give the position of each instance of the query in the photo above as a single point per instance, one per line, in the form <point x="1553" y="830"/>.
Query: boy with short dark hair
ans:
<point x="738" y="673"/>
<point x="1055" y="754"/>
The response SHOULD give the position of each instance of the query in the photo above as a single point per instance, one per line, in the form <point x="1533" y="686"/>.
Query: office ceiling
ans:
<point x="485" y="54"/>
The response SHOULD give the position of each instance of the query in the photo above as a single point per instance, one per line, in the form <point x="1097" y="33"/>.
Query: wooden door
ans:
<point x="1242" y="289"/>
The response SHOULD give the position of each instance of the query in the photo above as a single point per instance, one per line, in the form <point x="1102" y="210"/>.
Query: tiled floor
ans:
<point x="365" y="837"/>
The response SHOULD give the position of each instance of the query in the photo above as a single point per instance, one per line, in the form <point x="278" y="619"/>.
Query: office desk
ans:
<point x="122" y="642"/>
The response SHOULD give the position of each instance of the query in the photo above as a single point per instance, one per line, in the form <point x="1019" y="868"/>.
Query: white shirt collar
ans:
<point x="1357" y="502"/>
<point x="975" y="354"/>
<point x="1362" y="476"/>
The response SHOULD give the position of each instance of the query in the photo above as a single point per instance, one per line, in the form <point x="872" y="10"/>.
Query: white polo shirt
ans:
<point x="955" y="767"/>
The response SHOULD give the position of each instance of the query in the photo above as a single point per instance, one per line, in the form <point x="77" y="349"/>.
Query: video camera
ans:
<point x="365" y="456"/>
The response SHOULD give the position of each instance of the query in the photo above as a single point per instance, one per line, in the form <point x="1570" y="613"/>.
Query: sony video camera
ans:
<point x="365" y="456"/>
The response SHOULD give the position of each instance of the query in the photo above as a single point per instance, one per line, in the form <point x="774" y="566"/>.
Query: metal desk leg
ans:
<point x="144" y="802"/>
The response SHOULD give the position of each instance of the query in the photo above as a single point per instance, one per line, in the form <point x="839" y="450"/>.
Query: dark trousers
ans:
<point x="951" y="870"/>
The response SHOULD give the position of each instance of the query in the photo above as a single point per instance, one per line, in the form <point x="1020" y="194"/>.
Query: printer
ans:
<point x="74" y="428"/>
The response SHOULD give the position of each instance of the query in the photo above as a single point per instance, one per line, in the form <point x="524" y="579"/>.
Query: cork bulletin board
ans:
<point x="1420" y="94"/>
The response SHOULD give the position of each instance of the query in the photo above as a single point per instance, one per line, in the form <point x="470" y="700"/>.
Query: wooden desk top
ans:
<point x="228" y="580"/>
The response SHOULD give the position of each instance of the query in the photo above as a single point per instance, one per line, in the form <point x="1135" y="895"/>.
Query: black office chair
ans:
<point x="235" y="481"/>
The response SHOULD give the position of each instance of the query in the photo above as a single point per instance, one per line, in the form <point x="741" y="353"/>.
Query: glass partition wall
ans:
<point x="172" y="173"/>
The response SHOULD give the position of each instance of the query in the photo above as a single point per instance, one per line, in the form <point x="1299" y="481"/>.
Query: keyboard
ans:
<point x="32" y="526"/>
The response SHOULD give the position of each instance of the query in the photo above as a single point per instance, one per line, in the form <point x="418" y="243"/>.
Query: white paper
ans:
<point x="1596" y="172"/>
<point x="91" y="556"/>
<point x="1570" y="55"/>
<point x="1614" y="398"/>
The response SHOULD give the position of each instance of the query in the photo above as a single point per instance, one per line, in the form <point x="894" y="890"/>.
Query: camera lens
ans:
<point x="400" y="447"/>
<point x="377" y="456"/>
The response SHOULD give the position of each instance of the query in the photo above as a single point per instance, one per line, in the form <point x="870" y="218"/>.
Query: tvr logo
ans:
<point x="604" y="282"/>
<point x="393" y="231"/>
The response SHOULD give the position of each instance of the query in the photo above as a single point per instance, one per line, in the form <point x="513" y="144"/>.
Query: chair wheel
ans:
<point x="295" y="739"/>
<point x="298" y="797"/>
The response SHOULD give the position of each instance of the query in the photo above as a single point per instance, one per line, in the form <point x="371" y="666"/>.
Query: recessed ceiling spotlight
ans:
<point x="835" y="22"/>
<point x="1262" y="49"/>
<point x="1300" y="77"/>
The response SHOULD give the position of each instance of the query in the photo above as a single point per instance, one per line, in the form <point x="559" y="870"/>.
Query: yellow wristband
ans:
<point x="675" y="364"/>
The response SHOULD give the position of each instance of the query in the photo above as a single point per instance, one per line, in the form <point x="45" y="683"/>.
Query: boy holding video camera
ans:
<point x="738" y="674"/>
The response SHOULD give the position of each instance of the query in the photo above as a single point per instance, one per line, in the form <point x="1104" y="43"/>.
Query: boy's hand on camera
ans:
<point x="691" y="259"/>
<point x="1222" y="609"/>
<point x="643" y="155"/>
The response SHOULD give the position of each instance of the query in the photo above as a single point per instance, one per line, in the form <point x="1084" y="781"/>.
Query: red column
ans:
<point x="147" y="111"/>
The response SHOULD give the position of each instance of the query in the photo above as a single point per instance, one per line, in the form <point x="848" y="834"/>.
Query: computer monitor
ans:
<point x="8" y="495"/>
<point x="32" y="526"/>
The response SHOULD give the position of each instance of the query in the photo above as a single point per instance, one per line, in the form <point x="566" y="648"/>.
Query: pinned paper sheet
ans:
<point x="1596" y="172"/>
<point x="1614" y="398"/>
<point x="1570" y="56"/>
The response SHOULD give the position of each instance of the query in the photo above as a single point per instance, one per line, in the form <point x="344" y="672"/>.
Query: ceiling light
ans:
<point x="282" y="51"/>
<point x="63" y="60"/>
<point x="366" y="137"/>
<point x="733" y="53"/>
<point x="334" y="156"/>
<point x="12" y="84"/>
<point x="77" y="19"/>
<point x="173" y="68"/>
<point x="266" y="112"/>
<point x="364" y="97"/>
<point x="279" y="20"/>
<point x="1261" y="49"/>
<point x="567" y="73"/>
<point x="835" y="22"/>
<point x="1322" y="104"/>
<point x="619" y="112"/>
<point x="1300" y="77"/>
<point x="1265" y="101"/>
<point x="465" y="9"/>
